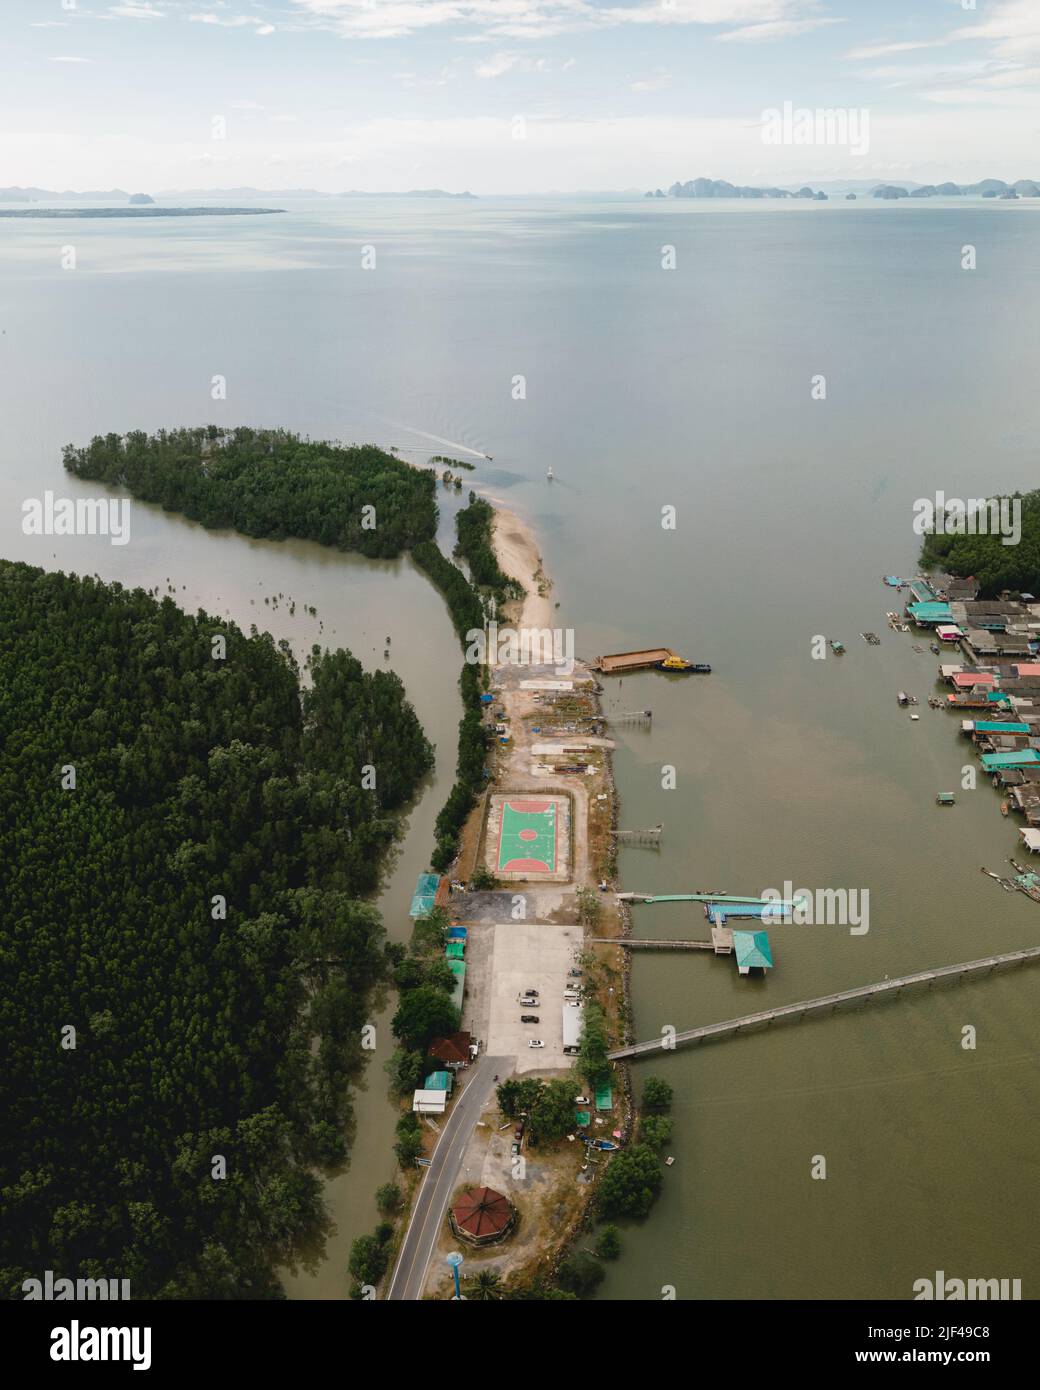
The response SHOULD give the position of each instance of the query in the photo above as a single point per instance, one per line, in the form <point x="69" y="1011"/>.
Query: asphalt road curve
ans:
<point x="441" y="1177"/>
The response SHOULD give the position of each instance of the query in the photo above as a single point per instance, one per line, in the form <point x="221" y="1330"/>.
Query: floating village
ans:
<point x="989" y="652"/>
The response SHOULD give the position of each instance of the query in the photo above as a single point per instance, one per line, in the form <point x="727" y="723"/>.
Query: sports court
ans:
<point x="528" y="836"/>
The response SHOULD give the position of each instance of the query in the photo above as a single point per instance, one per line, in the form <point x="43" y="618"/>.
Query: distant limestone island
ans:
<point x="986" y="188"/>
<point x="719" y="188"/>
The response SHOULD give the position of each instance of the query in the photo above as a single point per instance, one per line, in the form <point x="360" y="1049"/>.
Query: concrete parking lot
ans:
<point x="529" y="955"/>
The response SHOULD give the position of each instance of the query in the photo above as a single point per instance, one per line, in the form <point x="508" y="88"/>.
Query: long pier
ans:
<point x="734" y="1026"/>
<point x="776" y="905"/>
<point x="647" y="944"/>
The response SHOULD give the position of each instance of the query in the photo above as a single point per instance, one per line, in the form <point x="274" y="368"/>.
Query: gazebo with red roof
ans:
<point x="482" y="1215"/>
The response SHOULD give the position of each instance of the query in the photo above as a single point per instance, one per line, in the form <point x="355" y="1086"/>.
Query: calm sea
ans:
<point x="547" y="332"/>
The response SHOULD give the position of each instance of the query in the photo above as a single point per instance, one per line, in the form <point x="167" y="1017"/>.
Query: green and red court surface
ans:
<point x="527" y="838"/>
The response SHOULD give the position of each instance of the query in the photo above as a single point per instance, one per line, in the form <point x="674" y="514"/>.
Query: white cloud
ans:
<point x="61" y="58"/>
<point x="497" y="65"/>
<point x="657" y="83"/>
<point x="527" y="19"/>
<point x="1013" y="24"/>
<point x="776" y="29"/>
<point x="882" y="50"/>
<point x="238" y="21"/>
<point x="136" y="11"/>
<point x="501" y="63"/>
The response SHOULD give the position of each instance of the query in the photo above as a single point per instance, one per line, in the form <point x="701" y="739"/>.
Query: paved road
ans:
<point x="441" y="1177"/>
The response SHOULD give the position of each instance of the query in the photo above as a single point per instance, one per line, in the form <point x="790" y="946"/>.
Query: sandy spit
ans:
<point x="520" y="558"/>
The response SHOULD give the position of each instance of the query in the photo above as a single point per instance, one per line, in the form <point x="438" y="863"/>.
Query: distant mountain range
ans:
<point x="48" y="195"/>
<point x="985" y="188"/>
<point x="15" y="194"/>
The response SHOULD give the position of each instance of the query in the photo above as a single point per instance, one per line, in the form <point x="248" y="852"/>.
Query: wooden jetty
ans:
<point x="649" y="944"/>
<point x="631" y="716"/>
<point x="651" y="835"/>
<point x="827" y="1002"/>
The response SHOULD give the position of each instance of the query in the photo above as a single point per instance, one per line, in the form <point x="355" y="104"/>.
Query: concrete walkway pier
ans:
<point x="829" y="1002"/>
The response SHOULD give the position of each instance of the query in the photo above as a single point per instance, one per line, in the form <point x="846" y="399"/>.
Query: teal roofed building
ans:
<point x="929" y="613"/>
<point x="1025" y="757"/>
<point x="439" y="1081"/>
<point x="921" y="590"/>
<point x="752" y="951"/>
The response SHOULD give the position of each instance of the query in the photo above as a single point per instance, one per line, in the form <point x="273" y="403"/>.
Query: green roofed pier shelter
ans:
<point x="752" y="951"/>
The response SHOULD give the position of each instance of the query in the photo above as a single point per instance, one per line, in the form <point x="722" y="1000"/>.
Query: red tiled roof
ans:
<point x="482" y="1212"/>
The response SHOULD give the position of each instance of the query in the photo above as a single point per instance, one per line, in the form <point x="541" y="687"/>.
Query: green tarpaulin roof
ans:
<point x="439" y="1081"/>
<point x="604" y="1098"/>
<point x="455" y="950"/>
<point x="458" y="969"/>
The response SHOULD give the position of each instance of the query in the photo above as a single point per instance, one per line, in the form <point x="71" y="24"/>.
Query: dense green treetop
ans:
<point x="270" y="483"/>
<point x="995" y="565"/>
<point x="200" y="1029"/>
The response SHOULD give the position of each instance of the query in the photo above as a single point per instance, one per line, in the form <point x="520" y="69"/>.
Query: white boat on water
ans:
<point x="549" y="473"/>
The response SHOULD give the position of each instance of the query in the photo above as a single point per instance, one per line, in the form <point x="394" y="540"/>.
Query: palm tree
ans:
<point x="486" y="1286"/>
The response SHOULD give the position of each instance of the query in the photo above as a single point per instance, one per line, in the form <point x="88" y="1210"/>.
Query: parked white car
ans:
<point x="536" y="1042"/>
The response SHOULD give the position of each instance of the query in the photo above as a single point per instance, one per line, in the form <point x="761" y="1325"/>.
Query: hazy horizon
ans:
<point x="510" y="97"/>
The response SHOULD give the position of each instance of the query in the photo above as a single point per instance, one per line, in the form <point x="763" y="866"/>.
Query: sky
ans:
<point x="512" y="96"/>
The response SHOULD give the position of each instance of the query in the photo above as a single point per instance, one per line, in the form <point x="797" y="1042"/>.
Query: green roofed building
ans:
<point x="423" y="898"/>
<point x="455" y="950"/>
<point x="439" y="1081"/>
<point x="604" y="1098"/>
<point x="752" y="951"/>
